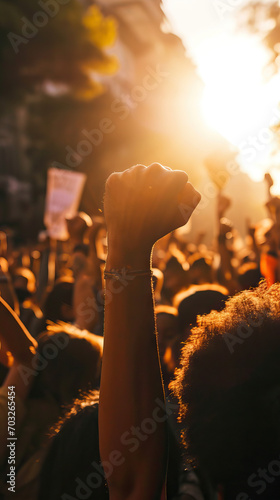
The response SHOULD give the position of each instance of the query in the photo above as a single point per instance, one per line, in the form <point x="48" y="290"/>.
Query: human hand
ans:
<point x="226" y="226"/>
<point x="273" y="237"/>
<point x="273" y="206"/>
<point x="14" y="337"/>
<point x="224" y="204"/>
<point x="143" y="204"/>
<point x="251" y="228"/>
<point x="77" y="225"/>
<point x="268" y="179"/>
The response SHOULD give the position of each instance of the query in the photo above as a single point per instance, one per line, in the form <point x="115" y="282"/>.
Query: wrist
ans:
<point x="126" y="254"/>
<point x="118" y="259"/>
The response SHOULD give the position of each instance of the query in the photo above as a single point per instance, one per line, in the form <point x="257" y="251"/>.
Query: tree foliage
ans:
<point x="52" y="47"/>
<point x="264" y="18"/>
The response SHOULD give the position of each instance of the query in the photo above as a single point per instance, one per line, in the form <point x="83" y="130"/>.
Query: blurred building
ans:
<point x="15" y="188"/>
<point x="140" y="37"/>
<point x="155" y="71"/>
<point x="13" y="144"/>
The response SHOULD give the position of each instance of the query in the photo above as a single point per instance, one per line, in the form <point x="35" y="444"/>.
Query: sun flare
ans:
<point x="238" y="102"/>
<point x="234" y="100"/>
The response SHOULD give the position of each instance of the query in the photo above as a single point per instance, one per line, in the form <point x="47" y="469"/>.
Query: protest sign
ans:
<point x="64" y="191"/>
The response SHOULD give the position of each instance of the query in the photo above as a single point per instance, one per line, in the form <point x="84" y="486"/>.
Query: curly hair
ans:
<point x="228" y="386"/>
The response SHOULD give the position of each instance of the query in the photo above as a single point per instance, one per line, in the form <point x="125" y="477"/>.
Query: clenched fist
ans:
<point x="142" y="204"/>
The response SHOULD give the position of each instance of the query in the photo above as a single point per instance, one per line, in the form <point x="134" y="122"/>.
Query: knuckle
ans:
<point x="156" y="165"/>
<point x="112" y="179"/>
<point x="156" y="171"/>
<point x="139" y="166"/>
<point x="182" y="175"/>
<point x="136" y="169"/>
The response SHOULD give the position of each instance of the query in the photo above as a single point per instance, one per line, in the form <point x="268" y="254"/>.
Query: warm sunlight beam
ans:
<point x="235" y="95"/>
<point x="237" y="101"/>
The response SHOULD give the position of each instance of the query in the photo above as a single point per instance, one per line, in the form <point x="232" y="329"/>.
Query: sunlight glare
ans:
<point x="237" y="101"/>
<point x="235" y="95"/>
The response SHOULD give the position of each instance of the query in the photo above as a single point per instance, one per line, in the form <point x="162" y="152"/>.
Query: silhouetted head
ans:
<point x="198" y="301"/>
<point x="69" y="362"/>
<point x="229" y="389"/>
<point x="200" y="270"/>
<point x="169" y="340"/>
<point x="59" y="301"/>
<point x="72" y="468"/>
<point x="175" y="278"/>
<point x="249" y="275"/>
<point x="24" y="283"/>
<point x="167" y="325"/>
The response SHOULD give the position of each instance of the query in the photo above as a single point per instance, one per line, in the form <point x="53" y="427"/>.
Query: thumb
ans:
<point x="188" y="199"/>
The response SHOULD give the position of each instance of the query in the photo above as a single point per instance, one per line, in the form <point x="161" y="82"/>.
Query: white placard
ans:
<point x="64" y="191"/>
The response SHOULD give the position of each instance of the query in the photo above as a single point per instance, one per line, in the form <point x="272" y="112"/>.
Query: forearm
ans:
<point x="15" y="336"/>
<point x="131" y="388"/>
<point x="7" y="293"/>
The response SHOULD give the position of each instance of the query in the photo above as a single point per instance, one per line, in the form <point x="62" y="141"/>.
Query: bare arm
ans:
<point x="16" y="339"/>
<point x="141" y="205"/>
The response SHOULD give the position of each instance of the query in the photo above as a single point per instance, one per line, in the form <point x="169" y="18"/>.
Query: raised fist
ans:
<point x="268" y="179"/>
<point x="143" y="204"/>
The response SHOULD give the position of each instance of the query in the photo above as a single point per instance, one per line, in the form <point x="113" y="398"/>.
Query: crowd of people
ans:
<point x="139" y="364"/>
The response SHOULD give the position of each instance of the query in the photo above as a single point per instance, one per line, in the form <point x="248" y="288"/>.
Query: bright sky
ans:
<point x="237" y="101"/>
